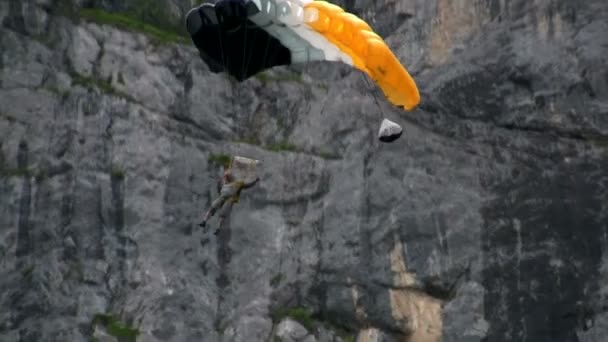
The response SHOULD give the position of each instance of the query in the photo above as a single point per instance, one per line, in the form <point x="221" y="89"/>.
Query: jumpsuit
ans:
<point x="230" y="192"/>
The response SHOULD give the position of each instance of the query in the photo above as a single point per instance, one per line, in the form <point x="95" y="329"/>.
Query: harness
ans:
<point x="236" y="198"/>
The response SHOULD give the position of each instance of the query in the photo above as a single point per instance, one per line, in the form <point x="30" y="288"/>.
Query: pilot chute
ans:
<point x="389" y="131"/>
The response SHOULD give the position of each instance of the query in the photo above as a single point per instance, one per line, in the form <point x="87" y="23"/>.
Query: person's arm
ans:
<point x="252" y="183"/>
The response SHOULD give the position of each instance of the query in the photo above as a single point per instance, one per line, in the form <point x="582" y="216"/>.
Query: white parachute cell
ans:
<point x="244" y="169"/>
<point x="389" y="131"/>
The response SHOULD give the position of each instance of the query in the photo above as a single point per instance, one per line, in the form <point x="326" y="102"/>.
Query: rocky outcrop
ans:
<point x="485" y="221"/>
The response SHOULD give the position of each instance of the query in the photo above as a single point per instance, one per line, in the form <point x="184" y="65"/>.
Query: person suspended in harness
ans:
<point x="229" y="190"/>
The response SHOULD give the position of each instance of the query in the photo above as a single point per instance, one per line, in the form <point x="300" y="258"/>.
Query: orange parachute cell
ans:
<point x="368" y="51"/>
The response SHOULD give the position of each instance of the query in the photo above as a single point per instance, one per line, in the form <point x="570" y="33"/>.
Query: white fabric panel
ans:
<point x="332" y="53"/>
<point x="301" y="50"/>
<point x="295" y="21"/>
<point x="288" y="26"/>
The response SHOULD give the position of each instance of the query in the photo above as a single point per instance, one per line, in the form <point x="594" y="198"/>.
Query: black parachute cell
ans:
<point x="228" y="41"/>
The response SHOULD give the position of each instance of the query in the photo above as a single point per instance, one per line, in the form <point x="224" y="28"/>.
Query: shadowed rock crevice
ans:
<point x="15" y="20"/>
<point x="533" y="220"/>
<point x="223" y="280"/>
<point x="123" y="243"/>
<point x="24" y="227"/>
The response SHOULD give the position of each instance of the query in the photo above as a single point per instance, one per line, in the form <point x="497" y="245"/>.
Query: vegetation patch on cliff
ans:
<point x="158" y="13"/>
<point x="306" y="317"/>
<point x="118" y="172"/>
<point x="597" y="140"/>
<point x="266" y="77"/>
<point x="286" y="146"/>
<point x="104" y="86"/>
<point x="7" y="117"/>
<point x="220" y="159"/>
<point x="282" y="146"/>
<point x="116" y="328"/>
<point x="15" y="172"/>
<point x="130" y="23"/>
<point x="299" y="314"/>
<point x="276" y="280"/>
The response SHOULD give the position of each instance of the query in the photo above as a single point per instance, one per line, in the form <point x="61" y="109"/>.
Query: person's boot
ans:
<point x="205" y="218"/>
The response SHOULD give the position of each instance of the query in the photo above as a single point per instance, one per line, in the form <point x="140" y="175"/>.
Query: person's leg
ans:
<point x="226" y="210"/>
<point x="217" y="204"/>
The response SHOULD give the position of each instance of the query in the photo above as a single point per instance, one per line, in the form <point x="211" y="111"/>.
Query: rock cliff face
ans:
<point x="486" y="221"/>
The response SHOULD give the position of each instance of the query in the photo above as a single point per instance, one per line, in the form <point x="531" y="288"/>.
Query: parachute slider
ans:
<point x="389" y="131"/>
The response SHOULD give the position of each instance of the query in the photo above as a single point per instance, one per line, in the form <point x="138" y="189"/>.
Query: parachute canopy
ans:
<point x="244" y="37"/>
